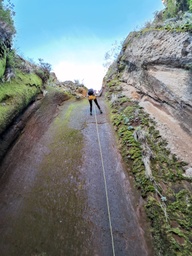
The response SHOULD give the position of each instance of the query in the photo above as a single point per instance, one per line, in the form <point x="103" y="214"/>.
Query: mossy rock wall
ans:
<point x="166" y="192"/>
<point x="16" y="95"/>
<point x="2" y="65"/>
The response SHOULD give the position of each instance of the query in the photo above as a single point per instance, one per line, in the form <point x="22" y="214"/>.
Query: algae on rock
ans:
<point x="16" y="95"/>
<point x="166" y="192"/>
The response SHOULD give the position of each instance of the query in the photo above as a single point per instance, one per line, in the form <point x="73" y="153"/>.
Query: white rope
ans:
<point x="163" y="199"/>
<point x="106" y="193"/>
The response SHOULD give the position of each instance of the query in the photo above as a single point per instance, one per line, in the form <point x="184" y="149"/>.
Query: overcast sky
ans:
<point x="74" y="35"/>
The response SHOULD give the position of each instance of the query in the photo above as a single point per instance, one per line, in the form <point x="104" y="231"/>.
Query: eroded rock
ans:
<point x="158" y="64"/>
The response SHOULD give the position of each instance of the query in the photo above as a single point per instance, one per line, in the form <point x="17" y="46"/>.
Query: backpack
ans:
<point x="90" y="92"/>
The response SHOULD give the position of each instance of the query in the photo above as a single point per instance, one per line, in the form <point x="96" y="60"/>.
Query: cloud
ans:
<point x="76" y="57"/>
<point x="91" y="74"/>
<point x="81" y="59"/>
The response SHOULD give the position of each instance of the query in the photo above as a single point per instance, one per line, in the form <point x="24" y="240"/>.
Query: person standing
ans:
<point x="92" y="97"/>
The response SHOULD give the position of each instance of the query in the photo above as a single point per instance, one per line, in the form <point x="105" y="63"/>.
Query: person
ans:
<point x="91" y="97"/>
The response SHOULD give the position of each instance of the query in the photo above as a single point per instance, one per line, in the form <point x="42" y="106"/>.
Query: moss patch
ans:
<point x="167" y="193"/>
<point x="16" y="95"/>
<point x="54" y="210"/>
<point x="2" y="66"/>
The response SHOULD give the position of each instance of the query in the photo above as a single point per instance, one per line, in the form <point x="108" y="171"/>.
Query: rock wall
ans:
<point x="157" y="66"/>
<point x="153" y="70"/>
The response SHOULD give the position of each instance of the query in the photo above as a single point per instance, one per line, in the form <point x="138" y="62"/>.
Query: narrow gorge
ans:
<point x="117" y="183"/>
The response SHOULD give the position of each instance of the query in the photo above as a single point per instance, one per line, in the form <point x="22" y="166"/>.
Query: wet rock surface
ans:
<point x="52" y="192"/>
<point x="128" y="235"/>
<point x="48" y="103"/>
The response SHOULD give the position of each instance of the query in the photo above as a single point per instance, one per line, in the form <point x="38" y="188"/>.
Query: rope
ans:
<point x="106" y="193"/>
<point x="163" y="199"/>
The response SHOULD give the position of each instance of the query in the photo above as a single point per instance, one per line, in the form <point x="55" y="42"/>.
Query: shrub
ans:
<point x="174" y="7"/>
<point x="6" y="19"/>
<point x="190" y="5"/>
<point x="10" y="63"/>
<point x="158" y="17"/>
<point x="43" y="70"/>
<point x="171" y="10"/>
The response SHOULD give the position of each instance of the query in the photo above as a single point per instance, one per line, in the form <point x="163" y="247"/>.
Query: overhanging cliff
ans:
<point x="158" y="64"/>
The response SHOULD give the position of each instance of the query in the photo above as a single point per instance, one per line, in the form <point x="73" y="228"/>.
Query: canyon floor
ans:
<point x="53" y="190"/>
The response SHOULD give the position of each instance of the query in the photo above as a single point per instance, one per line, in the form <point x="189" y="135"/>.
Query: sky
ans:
<point x="74" y="35"/>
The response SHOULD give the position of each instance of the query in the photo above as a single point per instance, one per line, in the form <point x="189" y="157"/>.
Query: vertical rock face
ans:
<point x="158" y="64"/>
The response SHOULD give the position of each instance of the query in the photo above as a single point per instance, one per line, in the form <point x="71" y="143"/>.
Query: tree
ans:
<point x="175" y="6"/>
<point x="6" y="18"/>
<point x="182" y="5"/>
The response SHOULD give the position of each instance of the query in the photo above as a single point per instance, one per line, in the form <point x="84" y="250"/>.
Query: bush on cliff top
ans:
<point x="173" y="7"/>
<point x="175" y="17"/>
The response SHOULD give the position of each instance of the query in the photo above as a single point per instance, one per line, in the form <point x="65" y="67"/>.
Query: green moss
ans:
<point x="113" y="82"/>
<point x="135" y="153"/>
<point x="117" y="119"/>
<point x="168" y="180"/>
<point x="2" y="66"/>
<point x="123" y="100"/>
<point x="56" y="188"/>
<point x="71" y="138"/>
<point x="16" y="95"/>
<point x="154" y="213"/>
<point x="129" y="111"/>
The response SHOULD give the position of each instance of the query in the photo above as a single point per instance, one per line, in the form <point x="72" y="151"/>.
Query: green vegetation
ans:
<point x="8" y="57"/>
<point x="2" y="66"/>
<point x="16" y="95"/>
<point x="7" y="31"/>
<point x="56" y="189"/>
<point x="190" y="5"/>
<point x="6" y="16"/>
<point x="43" y="70"/>
<point x="158" y="174"/>
<point x="173" y="7"/>
<point x="11" y="59"/>
<point x="166" y="191"/>
<point x="177" y="16"/>
<point x="20" y="80"/>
